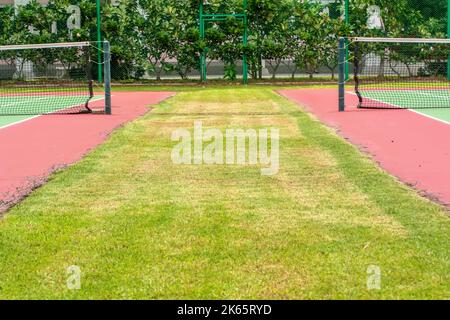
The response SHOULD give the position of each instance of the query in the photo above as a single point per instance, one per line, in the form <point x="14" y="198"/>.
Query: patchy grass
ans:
<point x="140" y="227"/>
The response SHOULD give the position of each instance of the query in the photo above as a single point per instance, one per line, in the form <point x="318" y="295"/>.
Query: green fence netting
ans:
<point x="155" y="39"/>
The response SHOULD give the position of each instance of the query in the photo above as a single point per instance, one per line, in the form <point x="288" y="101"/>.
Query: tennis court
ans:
<point x="51" y="79"/>
<point x="397" y="73"/>
<point x="57" y="140"/>
<point x="411" y="99"/>
<point x="410" y="144"/>
<point x="14" y="110"/>
<point x="415" y="100"/>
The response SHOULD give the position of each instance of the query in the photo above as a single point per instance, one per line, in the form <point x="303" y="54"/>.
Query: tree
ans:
<point x="187" y="37"/>
<point x="312" y="29"/>
<point x="399" y="18"/>
<point x="265" y="20"/>
<point x="224" y="37"/>
<point x="7" y="25"/>
<point x="434" y="13"/>
<point x="120" y="28"/>
<point x="156" y="34"/>
<point x="334" y="28"/>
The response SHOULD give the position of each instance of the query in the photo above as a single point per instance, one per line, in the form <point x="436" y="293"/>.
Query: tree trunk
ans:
<point x="260" y="66"/>
<point x="294" y="72"/>
<point x="275" y="69"/>
<point x="382" y="65"/>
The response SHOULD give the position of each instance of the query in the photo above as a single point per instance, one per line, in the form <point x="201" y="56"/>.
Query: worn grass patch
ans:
<point x="139" y="226"/>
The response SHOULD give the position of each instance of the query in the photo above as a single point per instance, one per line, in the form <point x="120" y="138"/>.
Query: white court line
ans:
<point x="430" y="95"/>
<point x="403" y="108"/>
<point x="21" y="102"/>
<point x="428" y="116"/>
<point x="18" y="122"/>
<point x="34" y="117"/>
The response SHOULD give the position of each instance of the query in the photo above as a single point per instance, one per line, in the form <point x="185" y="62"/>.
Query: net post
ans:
<point x="347" y="23"/>
<point x="107" y="76"/>
<point x="448" y="36"/>
<point x="99" y="40"/>
<point x="342" y="72"/>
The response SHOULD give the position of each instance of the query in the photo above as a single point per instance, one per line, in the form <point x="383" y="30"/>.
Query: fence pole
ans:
<point x="347" y="22"/>
<point x="99" y="41"/>
<point x="203" y="66"/>
<point x="448" y="36"/>
<point x="245" y="40"/>
<point x="342" y="72"/>
<point x="107" y="69"/>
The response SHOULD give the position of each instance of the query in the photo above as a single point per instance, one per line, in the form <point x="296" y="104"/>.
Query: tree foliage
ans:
<point x="158" y="36"/>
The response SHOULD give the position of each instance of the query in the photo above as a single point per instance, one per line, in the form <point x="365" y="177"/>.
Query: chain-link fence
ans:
<point x="399" y="19"/>
<point x="160" y="39"/>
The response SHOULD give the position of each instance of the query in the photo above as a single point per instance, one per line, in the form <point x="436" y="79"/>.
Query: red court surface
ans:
<point x="31" y="150"/>
<point x="410" y="146"/>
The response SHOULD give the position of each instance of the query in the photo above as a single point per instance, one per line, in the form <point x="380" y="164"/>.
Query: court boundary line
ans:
<point x="40" y="115"/>
<point x="430" y="117"/>
<point x="402" y="108"/>
<point x="19" y="122"/>
<point x="412" y="91"/>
